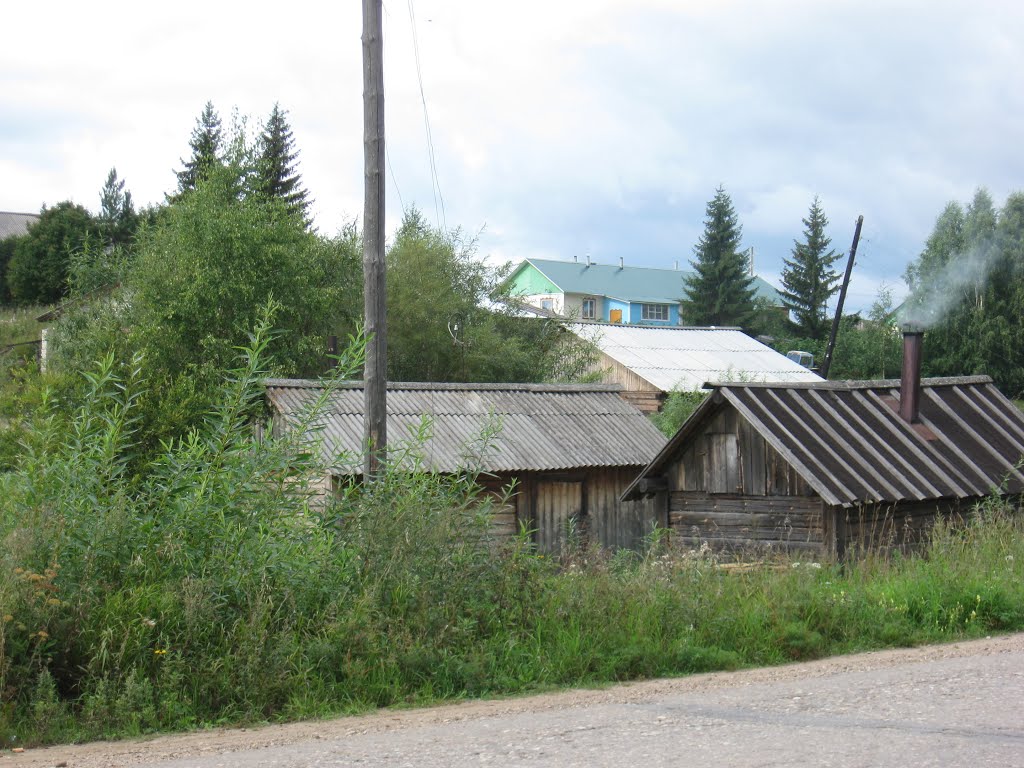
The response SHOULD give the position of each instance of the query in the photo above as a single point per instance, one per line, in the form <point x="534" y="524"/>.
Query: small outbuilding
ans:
<point x="833" y="467"/>
<point x="567" y="451"/>
<point x="651" y="361"/>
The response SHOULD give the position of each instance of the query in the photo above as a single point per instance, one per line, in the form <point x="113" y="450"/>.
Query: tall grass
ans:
<point x="211" y="587"/>
<point x="19" y="324"/>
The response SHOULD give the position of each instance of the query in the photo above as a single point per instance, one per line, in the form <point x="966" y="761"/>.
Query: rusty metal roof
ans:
<point x="538" y="426"/>
<point x="850" y="445"/>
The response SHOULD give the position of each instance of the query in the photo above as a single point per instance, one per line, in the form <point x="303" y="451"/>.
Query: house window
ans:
<point x="548" y="304"/>
<point x="656" y="312"/>
<point x="589" y="309"/>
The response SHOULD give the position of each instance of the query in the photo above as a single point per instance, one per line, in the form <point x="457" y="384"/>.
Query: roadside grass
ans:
<point x="210" y="588"/>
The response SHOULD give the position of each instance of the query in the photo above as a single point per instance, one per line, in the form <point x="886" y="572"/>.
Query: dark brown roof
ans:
<point x="541" y="426"/>
<point x="850" y="445"/>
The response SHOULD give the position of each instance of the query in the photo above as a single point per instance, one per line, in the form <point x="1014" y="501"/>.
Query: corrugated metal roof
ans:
<point x="655" y="285"/>
<point x="685" y="358"/>
<point x="15" y="224"/>
<point x="850" y="445"/>
<point x="540" y="426"/>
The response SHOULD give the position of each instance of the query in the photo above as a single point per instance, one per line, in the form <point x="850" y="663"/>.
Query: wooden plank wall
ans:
<point x="883" y="528"/>
<point x="613" y="372"/>
<point x="616" y="524"/>
<point x="736" y="522"/>
<point x="648" y="402"/>
<point x="558" y="513"/>
<point x="729" y="456"/>
<point x="544" y="502"/>
<point x="502" y="492"/>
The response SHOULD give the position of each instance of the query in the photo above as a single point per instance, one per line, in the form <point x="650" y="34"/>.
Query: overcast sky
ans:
<point x="559" y="128"/>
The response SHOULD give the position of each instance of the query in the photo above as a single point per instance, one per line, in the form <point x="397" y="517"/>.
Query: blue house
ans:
<point x="608" y="293"/>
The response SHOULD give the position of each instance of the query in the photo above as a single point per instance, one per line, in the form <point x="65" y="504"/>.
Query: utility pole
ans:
<point x="842" y="299"/>
<point x="374" y="273"/>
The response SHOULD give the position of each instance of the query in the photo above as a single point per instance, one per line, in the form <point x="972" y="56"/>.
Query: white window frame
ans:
<point x="592" y="315"/>
<point x="654" y="312"/>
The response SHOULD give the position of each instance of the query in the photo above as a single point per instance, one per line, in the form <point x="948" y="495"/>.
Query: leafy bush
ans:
<point x="212" y="584"/>
<point x="677" y="408"/>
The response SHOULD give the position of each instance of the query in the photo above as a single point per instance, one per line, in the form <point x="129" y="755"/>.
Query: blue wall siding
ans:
<point x="632" y="312"/>
<point x="636" y="315"/>
<point x="610" y="304"/>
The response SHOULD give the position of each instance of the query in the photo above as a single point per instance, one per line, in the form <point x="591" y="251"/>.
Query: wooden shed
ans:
<point x="832" y="467"/>
<point x="568" y="451"/>
<point x="651" y="361"/>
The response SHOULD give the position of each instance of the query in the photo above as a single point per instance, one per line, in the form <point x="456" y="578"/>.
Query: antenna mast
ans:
<point x="842" y="299"/>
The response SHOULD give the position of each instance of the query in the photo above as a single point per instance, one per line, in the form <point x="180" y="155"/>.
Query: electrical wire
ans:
<point x="439" y="212"/>
<point x="387" y="156"/>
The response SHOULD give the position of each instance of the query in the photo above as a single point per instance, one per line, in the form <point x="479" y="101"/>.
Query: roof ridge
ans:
<point x="440" y="386"/>
<point x="648" y="327"/>
<point x="613" y="266"/>
<point x="937" y="381"/>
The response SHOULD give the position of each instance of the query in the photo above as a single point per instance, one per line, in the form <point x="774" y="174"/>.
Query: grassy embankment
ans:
<point x="19" y="336"/>
<point x="205" y="589"/>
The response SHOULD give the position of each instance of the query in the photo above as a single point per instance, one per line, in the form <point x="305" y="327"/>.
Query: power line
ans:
<point x="387" y="155"/>
<point x="439" y="213"/>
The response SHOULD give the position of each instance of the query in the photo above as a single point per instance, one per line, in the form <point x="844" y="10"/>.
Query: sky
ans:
<point x="558" y="128"/>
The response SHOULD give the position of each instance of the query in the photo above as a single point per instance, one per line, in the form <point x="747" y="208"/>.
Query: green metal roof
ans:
<point x="645" y="284"/>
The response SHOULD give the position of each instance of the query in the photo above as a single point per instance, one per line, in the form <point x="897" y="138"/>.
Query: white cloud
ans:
<point x="561" y="126"/>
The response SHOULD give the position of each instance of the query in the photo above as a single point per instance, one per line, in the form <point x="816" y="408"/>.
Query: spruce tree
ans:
<point x="808" y="279"/>
<point x="276" y="174"/>
<point x="118" y="220"/>
<point x="207" y="146"/>
<point x="719" y="291"/>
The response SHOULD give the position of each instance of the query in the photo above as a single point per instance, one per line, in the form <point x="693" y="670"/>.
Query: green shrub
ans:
<point x="209" y="585"/>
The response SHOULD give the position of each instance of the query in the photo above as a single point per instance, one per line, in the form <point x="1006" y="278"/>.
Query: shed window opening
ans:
<point x="654" y="312"/>
<point x="589" y="309"/>
<point x="548" y="304"/>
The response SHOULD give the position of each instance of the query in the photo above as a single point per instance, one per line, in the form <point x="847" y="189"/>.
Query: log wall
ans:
<point x="884" y="528"/>
<point x="740" y="523"/>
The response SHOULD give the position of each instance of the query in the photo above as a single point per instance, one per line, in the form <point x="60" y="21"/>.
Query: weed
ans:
<point x="210" y="585"/>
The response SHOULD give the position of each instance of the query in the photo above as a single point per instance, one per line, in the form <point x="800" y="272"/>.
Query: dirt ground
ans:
<point x="224" y="742"/>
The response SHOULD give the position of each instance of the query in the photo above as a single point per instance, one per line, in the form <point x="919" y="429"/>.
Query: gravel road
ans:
<point x="951" y="705"/>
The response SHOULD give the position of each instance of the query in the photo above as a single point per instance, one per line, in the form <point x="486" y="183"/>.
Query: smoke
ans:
<point x="962" y="277"/>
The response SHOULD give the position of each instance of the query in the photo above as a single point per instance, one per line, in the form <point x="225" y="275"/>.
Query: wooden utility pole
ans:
<point x="842" y="299"/>
<point x="374" y="273"/>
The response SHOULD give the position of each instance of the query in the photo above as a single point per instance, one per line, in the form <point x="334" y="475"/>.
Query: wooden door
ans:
<point x="722" y="465"/>
<point x="558" y="510"/>
<point x="615" y="316"/>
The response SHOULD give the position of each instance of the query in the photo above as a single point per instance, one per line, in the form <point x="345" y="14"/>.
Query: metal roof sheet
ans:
<point x="536" y="426"/>
<point x="685" y="358"/>
<point x="16" y="224"/>
<point x="848" y="442"/>
<point x="631" y="283"/>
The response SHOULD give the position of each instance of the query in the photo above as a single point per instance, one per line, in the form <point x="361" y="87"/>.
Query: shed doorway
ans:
<point x="559" y="510"/>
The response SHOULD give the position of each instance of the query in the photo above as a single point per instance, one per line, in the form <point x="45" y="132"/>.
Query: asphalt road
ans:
<point x="954" y="705"/>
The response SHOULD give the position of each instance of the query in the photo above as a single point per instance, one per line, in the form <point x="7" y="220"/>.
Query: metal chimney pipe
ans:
<point x="910" y="378"/>
<point x="621" y="262"/>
